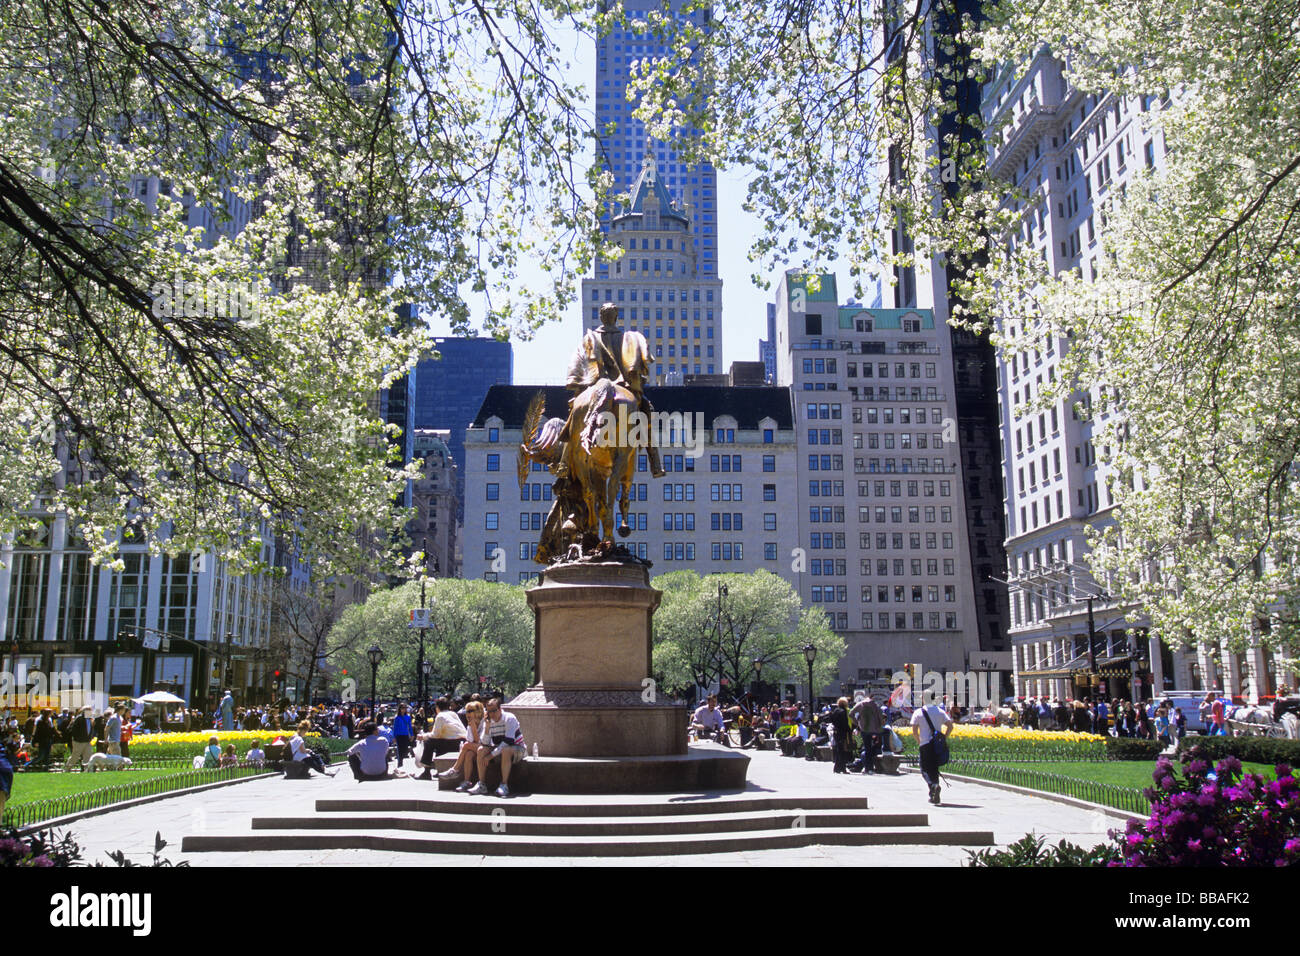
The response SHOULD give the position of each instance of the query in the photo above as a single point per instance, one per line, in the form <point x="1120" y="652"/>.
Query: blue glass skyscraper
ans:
<point x="449" y="390"/>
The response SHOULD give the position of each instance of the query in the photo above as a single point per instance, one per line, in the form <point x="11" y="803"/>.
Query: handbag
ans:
<point x="895" y="742"/>
<point x="938" y="741"/>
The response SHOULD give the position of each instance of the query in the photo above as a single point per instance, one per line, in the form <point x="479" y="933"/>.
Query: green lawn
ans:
<point x="1119" y="773"/>
<point x="31" y="787"/>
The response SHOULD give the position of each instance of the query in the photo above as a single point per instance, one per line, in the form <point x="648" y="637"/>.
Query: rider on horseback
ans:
<point x="610" y="363"/>
<point x="623" y="358"/>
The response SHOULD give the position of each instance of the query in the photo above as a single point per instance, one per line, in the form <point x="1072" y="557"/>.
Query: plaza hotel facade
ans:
<point x="1075" y="152"/>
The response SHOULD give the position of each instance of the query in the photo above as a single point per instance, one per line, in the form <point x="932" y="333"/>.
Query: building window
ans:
<point x="493" y="462"/>
<point x="493" y="491"/>
<point x="491" y="521"/>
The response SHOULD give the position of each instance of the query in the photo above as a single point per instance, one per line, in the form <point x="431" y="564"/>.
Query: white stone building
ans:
<point x="658" y="284"/>
<point x="728" y="510"/>
<point x="881" y="511"/>
<point x="1074" y="152"/>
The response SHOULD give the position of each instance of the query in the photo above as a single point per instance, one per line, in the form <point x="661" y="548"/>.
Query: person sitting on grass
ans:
<point x="212" y="755"/>
<point x="229" y="758"/>
<point x="368" y="757"/>
<point x="256" y="756"/>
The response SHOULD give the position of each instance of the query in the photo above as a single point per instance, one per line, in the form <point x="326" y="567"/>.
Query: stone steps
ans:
<point x="504" y="821"/>
<point x="558" y="807"/>
<point x="638" y="826"/>
<point x="509" y="844"/>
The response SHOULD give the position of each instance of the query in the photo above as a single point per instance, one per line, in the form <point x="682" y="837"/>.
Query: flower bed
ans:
<point x="1218" y="817"/>
<point x="1015" y="744"/>
<point x="1249" y="749"/>
<point x="190" y="744"/>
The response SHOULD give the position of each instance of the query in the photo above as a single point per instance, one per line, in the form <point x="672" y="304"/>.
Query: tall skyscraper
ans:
<point x="767" y="347"/>
<point x="930" y="285"/>
<point x="623" y="150"/>
<point x="449" y="389"/>
<point x="666" y="284"/>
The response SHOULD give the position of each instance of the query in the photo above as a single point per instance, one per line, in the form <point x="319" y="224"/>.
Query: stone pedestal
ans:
<point x="594" y="696"/>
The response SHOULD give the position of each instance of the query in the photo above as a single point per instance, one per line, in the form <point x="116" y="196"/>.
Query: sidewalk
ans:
<point x="967" y="806"/>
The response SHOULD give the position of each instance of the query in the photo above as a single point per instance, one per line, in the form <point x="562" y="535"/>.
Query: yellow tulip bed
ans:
<point x="189" y="744"/>
<point x="975" y="742"/>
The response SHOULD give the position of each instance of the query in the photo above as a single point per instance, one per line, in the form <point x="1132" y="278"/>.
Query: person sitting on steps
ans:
<point x="447" y="735"/>
<point x="505" y="739"/>
<point x="467" y="761"/>
<point x="368" y="757"/>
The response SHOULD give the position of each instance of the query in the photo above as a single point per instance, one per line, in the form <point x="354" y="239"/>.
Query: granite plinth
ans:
<point x="594" y="695"/>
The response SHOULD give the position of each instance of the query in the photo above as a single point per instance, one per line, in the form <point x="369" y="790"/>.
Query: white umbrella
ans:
<point x="159" y="697"/>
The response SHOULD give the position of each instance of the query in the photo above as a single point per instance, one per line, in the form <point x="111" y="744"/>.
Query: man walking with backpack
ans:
<point x="932" y="726"/>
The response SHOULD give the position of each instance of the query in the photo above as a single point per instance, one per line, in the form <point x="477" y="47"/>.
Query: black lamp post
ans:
<point x="758" y="674"/>
<point x="425" y="668"/>
<point x="810" y="655"/>
<point x="376" y="655"/>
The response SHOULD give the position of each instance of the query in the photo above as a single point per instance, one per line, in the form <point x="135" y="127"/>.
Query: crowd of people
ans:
<point x="29" y="745"/>
<point x="1147" y="720"/>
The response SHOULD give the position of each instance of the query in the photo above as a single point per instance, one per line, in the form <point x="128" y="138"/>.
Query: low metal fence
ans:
<point x="25" y="814"/>
<point x="1128" y="799"/>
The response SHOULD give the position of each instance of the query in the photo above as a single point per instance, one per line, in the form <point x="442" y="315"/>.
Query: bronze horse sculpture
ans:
<point x="593" y="465"/>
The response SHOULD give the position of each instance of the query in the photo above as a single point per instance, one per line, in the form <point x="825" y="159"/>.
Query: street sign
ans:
<point x="151" y="642"/>
<point x="419" y="618"/>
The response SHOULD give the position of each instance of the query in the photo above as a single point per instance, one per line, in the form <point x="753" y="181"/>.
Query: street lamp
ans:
<point x="810" y="655"/>
<point x="425" y="668"/>
<point x="758" y="674"/>
<point x="376" y="654"/>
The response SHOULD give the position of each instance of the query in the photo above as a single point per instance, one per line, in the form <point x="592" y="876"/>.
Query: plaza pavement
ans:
<point x="966" y="806"/>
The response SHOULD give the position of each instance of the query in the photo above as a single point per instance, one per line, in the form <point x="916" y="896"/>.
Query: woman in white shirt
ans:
<point x="446" y="736"/>
<point x="467" y="761"/>
<point x="301" y="754"/>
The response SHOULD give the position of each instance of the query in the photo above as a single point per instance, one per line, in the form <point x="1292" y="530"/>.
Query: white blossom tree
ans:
<point x="209" y="215"/>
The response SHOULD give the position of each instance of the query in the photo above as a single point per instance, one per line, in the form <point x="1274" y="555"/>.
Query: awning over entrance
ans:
<point x="1106" y="667"/>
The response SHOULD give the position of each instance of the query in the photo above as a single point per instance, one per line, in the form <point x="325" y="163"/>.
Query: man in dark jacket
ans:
<point x="80" y="731"/>
<point x="842" y="746"/>
<point x="43" y="735"/>
<point x="870" y="721"/>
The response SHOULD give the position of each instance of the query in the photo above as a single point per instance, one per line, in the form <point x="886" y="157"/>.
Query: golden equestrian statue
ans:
<point x="588" y="453"/>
